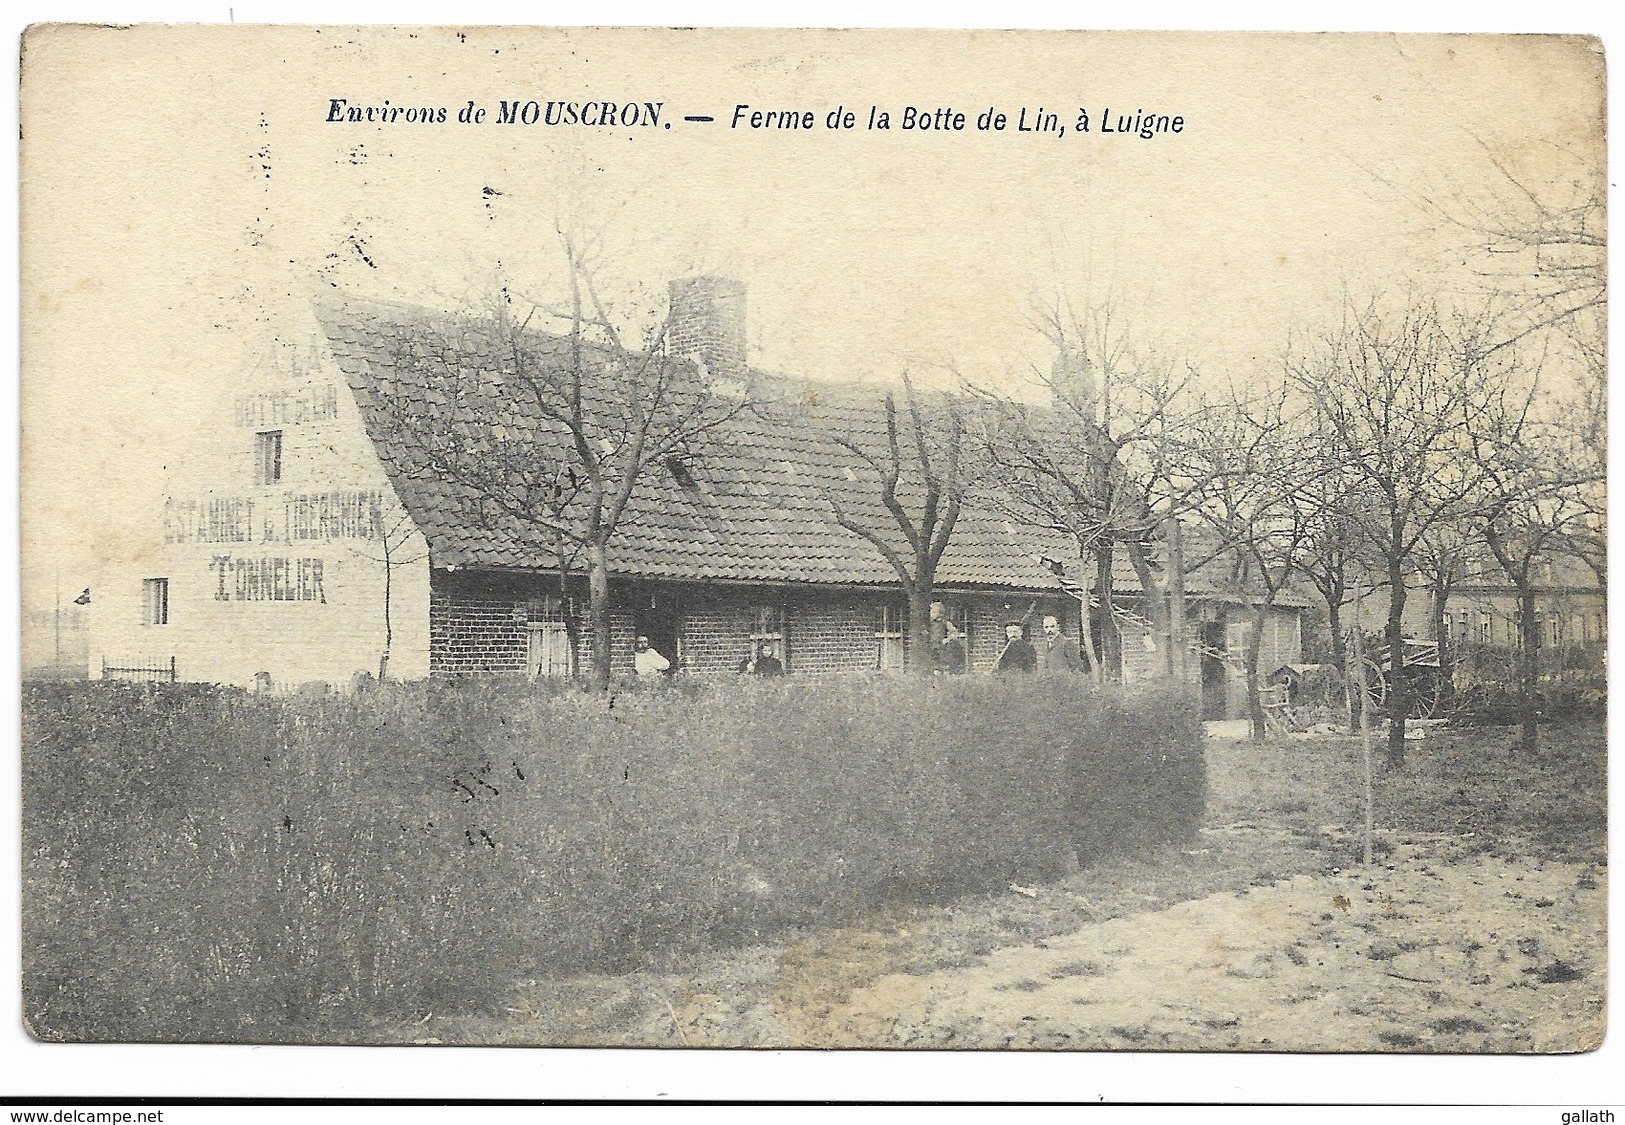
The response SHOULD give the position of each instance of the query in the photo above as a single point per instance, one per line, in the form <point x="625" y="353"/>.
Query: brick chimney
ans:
<point x="708" y="325"/>
<point x="1072" y="383"/>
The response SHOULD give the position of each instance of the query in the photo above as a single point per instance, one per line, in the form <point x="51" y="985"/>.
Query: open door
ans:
<point x="1215" y="676"/>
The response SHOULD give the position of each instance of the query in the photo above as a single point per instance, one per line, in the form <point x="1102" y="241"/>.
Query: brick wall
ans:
<point x="479" y="623"/>
<point x="716" y="634"/>
<point x="838" y="632"/>
<point x="824" y="631"/>
<point x="1143" y="655"/>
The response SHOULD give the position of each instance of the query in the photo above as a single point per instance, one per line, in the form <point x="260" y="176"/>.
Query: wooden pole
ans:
<point x="1176" y="599"/>
<point x="1358" y="657"/>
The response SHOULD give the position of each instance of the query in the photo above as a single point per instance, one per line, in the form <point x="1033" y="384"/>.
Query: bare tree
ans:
<point x="544" y="437"/>
<point x="1257" y="477"/>
<point x="1335" y="552"/>
<point x="922" y="475"/>
<point x="397" y="545"/>
<point x="1540" y="247"/>
<point x="1522" y="531"/>
<point x="1444" y="557"/>
<point x="387" y="536"/>
<point x="1395" y="390"/>
<point x="1094" y="464"/>
<point x="1575" y="434"/>
<point x="1535" y="497"/>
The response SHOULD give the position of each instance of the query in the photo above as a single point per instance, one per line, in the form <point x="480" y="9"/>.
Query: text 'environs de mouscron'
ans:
<point x="747" y="118"/>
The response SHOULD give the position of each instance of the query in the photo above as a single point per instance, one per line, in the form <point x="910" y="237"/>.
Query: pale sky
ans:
<point x="184" y="194"/>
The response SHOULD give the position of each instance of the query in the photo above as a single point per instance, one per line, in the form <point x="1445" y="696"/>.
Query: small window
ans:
<point x="950" y="611"/>
<point x="680" y="472"/>
<point x="549" y="653"/>
<point x="890" y="639"/>
<point x="155" y="601"/>
<point x="268" y="457"/>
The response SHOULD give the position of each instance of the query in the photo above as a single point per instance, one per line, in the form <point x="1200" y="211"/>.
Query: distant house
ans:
<point x="283" y="531"/>
<point x="1481" y="611"/>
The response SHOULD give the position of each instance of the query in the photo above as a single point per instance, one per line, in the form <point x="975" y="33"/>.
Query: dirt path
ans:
<point x="1437" y="950"/>
<point x="1486" y="956"/>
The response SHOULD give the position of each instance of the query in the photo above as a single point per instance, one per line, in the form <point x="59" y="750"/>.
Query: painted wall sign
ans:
<point x="311" y="403"/>
<point x="347" y="514"/>
<point x="354" y="513"/>
<point x="267" y="580"/>
<point x="221" y="520"/>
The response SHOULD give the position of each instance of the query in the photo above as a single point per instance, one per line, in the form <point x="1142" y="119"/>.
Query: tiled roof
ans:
<point x="757" y="506"/>
<point x="757" y="502"/>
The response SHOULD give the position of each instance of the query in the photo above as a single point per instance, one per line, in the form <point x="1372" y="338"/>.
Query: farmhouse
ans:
<point x="297" y="546"/>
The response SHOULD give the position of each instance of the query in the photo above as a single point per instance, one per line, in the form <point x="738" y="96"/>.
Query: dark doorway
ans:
<point x="660" y="618"/>
<point x="1215" y="677"/>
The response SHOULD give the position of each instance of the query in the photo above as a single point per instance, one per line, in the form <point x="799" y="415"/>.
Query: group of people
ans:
<point x="1054" y="652"/>
<point x="648" y="661"/>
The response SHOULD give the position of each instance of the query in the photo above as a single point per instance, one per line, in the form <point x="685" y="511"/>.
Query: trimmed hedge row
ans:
<point x="203" y="864"/>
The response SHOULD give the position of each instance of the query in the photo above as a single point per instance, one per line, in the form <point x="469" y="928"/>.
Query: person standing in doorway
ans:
<point x="762" y="660"/>
<point x="767" y="660"/>
<point x="648" y="661"/>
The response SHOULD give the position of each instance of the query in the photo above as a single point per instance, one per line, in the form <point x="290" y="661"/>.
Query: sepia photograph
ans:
<point x="888" y="540"/>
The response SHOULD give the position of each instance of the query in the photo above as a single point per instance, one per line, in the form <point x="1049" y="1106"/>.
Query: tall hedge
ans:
<point x="203" y="864"/>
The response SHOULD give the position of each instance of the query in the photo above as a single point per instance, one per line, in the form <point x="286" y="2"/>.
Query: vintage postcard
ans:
<point x="1016" y="541"/>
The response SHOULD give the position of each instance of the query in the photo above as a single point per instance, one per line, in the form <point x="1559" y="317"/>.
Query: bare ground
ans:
<point x="1264" y="933"/>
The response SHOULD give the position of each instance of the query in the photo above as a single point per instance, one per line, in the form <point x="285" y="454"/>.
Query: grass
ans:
<point x="1552" y="805"/>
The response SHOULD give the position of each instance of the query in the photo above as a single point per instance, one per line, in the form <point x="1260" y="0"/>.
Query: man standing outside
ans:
<point x="1017" y="655"/>
<point x="1057" y="655"/>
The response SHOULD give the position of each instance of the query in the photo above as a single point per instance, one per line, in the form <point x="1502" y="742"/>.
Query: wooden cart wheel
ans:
<point x="1427" y="692"/>
<point x="1376" y="683"/>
